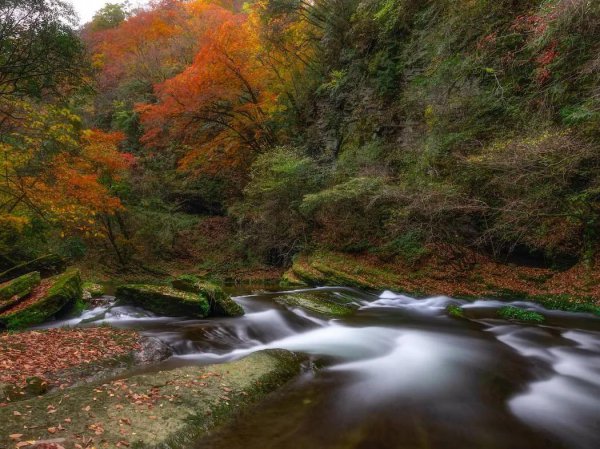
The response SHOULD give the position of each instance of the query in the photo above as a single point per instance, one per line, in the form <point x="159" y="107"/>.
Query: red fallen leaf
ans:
<point x="125" y="421"/>
<point x="52" y="429"/>
<point x="23" y="444"/>
<point x="123" y="443"/>
<point x="15" y="436"/>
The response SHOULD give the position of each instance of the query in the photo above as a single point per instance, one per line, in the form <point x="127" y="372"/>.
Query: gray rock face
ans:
<point x="153" y="350"/>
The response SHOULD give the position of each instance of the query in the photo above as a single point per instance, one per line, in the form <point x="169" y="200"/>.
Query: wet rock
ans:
<point x="57" y="294"/>
<point x="91" y="290"/>
<point x="48" y="265"/>
<point x="324" y="303"/>
<point x="165" y="300"/>
<point x="14" y="291"/>
<point x="221" y="304"/>
<point x="165" y="409"/>
<point x="152" y="350"/>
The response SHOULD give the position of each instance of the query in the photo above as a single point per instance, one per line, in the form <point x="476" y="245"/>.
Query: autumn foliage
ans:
<point x="224" y="92"/>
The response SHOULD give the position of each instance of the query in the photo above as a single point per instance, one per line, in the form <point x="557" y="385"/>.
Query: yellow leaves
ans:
<point x="13" y="221"/>
<point x="49" y="163"/>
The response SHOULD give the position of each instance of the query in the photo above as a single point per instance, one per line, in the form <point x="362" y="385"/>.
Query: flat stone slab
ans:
<point x="51" y="296"/>
<point x="221" y="303"/>
<point x="324" y="303"/>
<point x="12" y="292"/>
<point x="165" y="300"/>
<point x="48" y="265"/>
<point x="164" y="409"/>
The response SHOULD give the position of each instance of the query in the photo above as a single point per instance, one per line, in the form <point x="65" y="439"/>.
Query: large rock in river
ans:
<point x="165" y="300"/>
<point x="168" y="409"/>
<point x="53" y="295"/>
<point x="46" y="265"/>
<point x="14" y="291"/>
<point x="221" y="303"/>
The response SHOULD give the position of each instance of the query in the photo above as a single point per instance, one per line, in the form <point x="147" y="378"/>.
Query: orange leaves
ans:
<point x="101" y="150"/>
<point x="52" y="169"/>
<point x="217" y="105"/>
<point x="75" y="187"/>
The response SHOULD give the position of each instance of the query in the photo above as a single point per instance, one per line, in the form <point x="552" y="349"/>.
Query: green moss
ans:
<point x="289" y="279"/>
<point x="174" y="408"/>
<point x="48" y="265"/>
<point x="165" y="300"/>
<point x="323" y="304"/>
<point x="221" y="304"/>
<point x="62" y="296"/>
<point x="455" y="311"/>
<point x="515" y="313"/>
<point x="95" y="290"/>
<point x="15" y="290"/>
<point x="566" y="303"/>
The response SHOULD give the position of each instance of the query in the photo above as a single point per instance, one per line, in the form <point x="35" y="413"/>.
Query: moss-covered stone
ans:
<point x="492" y="280"/>
<point x="165" y="300"/>
<point x="321" y="303"/>
<point x="221" y="304"/>
<point x="13" y="291"/>
<point x="518" y="314"/>
<point x="48" y="265"/>
<point x="92" y="290"/>
<point x="165" y="409"/>
<point x="290" y="279"/>
<point x="63" y="294"/>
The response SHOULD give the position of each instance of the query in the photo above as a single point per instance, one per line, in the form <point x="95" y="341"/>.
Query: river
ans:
<point x="399" y="373"/>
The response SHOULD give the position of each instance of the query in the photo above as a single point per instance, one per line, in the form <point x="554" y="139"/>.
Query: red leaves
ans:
<point x="36" y="294"/>
<point x="46" y="354"/>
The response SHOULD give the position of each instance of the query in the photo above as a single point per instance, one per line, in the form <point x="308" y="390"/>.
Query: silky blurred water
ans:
<point x="399" y="373"/>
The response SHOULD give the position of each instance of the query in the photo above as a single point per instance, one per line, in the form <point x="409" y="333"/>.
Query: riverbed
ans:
<point x="397" y="373"/>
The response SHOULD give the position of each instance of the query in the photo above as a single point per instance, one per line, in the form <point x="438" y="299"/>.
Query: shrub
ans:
<point x="271" y="224"/>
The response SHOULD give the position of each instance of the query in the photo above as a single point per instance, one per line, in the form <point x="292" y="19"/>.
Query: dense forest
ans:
<point x="232" y="136"/>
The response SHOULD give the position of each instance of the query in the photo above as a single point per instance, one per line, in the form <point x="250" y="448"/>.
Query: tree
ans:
<point x="111" y="16"/>
<point x="219" y="106"/>
<point x="39" y="49"/>
<point x="52" y="170"/>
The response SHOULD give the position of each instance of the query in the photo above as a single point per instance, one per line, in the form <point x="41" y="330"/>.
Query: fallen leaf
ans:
<point x="15" y="436"/>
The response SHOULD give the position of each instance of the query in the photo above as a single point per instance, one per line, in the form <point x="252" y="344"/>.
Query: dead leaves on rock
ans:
<point x="44" y="353"/>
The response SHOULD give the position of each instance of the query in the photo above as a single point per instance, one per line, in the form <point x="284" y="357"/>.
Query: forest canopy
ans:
<point x="365" y="126"/>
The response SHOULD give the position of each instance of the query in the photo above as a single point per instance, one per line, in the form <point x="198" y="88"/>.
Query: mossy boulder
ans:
<point x="165" y="300"/>
<point x="165" y="409"/>
<point x="290" y="279"/>
<point x="91" y="290"/>
<point x="325" y="303"/>
<point x="57" y="294"/>
<point x="48" y="265"/>
<point x="221" y="304"/>
<point x="14" y="291"/>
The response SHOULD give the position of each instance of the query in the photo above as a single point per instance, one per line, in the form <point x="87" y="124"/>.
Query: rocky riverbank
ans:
<point x="165" y="409"/>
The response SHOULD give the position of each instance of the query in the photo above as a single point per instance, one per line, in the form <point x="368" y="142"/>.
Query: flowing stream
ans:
<point x="399" y="373"/>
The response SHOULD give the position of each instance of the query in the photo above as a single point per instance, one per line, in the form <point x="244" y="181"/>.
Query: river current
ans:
<point x="399" y="373"/>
